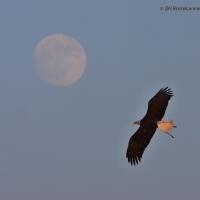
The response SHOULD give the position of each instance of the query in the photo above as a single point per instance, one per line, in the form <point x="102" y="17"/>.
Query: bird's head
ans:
<point x="137" y="122"/>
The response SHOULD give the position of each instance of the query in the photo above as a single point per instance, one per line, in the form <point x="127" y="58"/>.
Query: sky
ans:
<point x="70" y="142"/>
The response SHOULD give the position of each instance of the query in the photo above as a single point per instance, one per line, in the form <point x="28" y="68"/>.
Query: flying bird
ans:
<point x="148" y="125"/>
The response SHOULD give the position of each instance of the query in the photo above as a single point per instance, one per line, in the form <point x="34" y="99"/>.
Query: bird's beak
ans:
<point x="136" y="122"/>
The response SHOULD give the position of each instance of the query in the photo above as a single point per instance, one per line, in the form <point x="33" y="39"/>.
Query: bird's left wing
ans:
<point x="158" y="104"/>
<point x="137" y="144"/>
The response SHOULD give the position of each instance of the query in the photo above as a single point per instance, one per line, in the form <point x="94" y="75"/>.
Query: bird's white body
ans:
<point x="165" y="125"/>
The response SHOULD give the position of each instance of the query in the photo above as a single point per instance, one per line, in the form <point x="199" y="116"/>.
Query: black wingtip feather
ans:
<point x="166" y="91"/>
<point x="135" y="160"/>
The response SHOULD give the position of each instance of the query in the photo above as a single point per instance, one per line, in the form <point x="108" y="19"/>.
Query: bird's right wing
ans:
<point x="137" y="144"/>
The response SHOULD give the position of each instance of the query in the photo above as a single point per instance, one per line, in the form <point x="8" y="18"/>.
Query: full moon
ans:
<point x="60" y="60"/>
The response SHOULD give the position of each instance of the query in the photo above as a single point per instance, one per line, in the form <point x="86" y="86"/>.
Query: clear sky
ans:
<point x="70" y="142"/>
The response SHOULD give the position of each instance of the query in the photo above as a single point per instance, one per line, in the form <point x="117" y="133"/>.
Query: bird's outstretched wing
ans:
<point x="138" y="142"/>
<point x="158" y="104"/>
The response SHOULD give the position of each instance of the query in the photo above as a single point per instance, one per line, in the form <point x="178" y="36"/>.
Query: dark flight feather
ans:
<point x="148" y="125"/>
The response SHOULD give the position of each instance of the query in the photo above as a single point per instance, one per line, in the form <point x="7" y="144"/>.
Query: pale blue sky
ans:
<point x="70" y="142"/>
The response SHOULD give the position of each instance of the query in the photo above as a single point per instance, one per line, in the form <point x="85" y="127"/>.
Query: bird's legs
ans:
<point x="170" y="135"/>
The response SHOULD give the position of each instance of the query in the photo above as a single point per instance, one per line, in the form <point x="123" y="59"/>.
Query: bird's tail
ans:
<point x="175" y="126"/>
